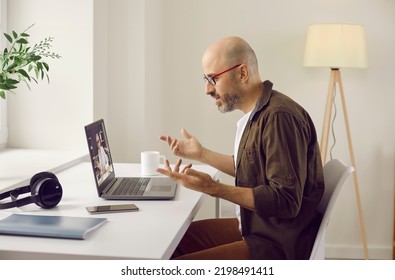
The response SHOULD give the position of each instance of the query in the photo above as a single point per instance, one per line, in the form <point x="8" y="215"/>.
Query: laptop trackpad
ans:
<point x="166" y="188"/>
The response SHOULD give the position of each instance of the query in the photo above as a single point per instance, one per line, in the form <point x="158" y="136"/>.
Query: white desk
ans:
<point x="151" y="233"/>
<point x="17" y="166"/>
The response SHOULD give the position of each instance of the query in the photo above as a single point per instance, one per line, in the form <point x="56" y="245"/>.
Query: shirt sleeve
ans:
<point x="285" y="144"/>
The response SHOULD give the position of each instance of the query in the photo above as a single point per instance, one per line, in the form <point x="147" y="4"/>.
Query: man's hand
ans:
<point x="189" y="148"/>
<point x="202" y="182"/>
<point x="189" y="178"/>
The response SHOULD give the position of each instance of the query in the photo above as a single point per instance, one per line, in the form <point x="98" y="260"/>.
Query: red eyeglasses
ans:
<point x="211" y="79"/>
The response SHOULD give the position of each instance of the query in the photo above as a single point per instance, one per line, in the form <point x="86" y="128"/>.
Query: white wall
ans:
<point x="100" y="59"/>
<point x="147" y="81"/>
<point x="135" y="89"/>
<point x="52" y="115"/>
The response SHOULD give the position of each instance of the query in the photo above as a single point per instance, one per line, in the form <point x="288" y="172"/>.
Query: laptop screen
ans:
<point x="99" y="151"/>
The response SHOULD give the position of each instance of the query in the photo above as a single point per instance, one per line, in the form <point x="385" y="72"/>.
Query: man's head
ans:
<point x="231" y="73"/>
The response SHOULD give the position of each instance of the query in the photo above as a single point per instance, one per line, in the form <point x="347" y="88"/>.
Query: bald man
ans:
<point x="276" y="164"/>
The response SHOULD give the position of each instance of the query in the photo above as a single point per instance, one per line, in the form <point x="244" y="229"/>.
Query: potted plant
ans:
<point x="23" y="63"/>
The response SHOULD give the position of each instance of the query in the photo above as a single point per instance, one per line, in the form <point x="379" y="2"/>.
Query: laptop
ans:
<point x="121" y="188"/>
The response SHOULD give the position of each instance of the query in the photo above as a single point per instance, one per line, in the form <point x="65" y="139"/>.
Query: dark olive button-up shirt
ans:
<point x="279" y="158"/>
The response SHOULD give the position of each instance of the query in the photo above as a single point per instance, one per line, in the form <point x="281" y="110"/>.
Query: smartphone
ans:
<point x="111" y="208"/>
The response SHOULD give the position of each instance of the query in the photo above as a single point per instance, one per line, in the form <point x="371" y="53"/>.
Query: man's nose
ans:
<point x="210" y="89"/>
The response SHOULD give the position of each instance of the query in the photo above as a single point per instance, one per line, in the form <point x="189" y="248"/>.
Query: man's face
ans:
<point x="227" y="99"/>
<point x="226" y="92"/>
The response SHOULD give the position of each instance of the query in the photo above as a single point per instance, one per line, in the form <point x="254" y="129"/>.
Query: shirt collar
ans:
<point x="264" y="98"/>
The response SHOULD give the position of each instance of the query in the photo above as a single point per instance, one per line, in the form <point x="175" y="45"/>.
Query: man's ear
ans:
<point x="244" y="73"/>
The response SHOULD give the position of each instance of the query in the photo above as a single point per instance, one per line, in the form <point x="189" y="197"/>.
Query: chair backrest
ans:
<point x="335" y="174"/>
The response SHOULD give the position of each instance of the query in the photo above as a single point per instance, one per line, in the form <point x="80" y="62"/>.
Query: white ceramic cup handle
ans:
<point x="163" y="158"/>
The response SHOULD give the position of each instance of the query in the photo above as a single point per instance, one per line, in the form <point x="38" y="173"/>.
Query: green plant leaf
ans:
<point x="9" y="38"/>
<point x="24" y="73"/>
<point x="11" y="82"/>
<point x="35" y="58"/>
<point x="39" y="66"/>
<point x="36" y="72"/>
<point x="15" y="34"/>
<point x="2" y="94"/>
<point x="11" y="67"/>
<point x="46" y="66"/>
<point x="24" y="35"/>
<point x="7" y="86"/>
<point x="22" y="41"/>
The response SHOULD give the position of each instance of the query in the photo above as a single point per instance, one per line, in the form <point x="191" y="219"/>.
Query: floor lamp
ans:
<point x="337" y="46"/>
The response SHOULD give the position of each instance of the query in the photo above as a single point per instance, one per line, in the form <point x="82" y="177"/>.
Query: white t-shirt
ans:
<point x="241" y="124"/>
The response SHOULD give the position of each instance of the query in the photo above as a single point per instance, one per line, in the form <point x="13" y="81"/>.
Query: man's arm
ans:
<point x="241" y="196"/>
<point x="202" y="182"/>
<point x="223" y="163"/>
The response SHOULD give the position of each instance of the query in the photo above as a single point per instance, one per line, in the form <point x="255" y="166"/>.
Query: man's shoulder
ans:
<point x="282" y="105"/>
<point x="279" y="102"/>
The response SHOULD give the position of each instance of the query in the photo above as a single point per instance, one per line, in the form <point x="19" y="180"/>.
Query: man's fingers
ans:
<point x="173" y="143"/>
<point x="176" y="176"/>
<point x="165" y="172"/>
<point x="167" y="165"/>
<point x="185" y="133"/>
<point x="177" y="166"/>
<point x="167" y="139"/>
<point x="186" y="167"/>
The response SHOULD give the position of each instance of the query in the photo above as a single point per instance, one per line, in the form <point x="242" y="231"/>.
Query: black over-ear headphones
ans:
<point x="45" y="190"/>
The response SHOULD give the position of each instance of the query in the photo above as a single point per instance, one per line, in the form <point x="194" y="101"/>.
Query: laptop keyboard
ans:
<point x="131" y="186"/>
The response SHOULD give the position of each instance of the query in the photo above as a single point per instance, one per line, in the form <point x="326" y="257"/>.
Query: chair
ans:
<point x="335" y="174"/>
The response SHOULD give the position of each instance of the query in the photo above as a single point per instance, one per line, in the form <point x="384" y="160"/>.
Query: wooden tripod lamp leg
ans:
<point x="356" y="184"/>
<point x="327" y="116"/>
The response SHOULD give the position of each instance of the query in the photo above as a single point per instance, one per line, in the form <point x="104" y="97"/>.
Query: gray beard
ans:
<point x="230" y="103"/>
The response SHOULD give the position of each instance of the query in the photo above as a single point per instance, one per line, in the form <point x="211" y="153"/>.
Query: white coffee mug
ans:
<point x="150" y="161"/>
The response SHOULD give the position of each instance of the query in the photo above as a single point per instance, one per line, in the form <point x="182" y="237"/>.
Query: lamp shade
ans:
<point x="336" y="46"/>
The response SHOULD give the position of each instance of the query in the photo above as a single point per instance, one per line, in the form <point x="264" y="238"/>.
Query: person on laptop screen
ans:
<point x="102" y="160"/>
<point x="276" y="164"/>
<point x="100" y="155"/>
